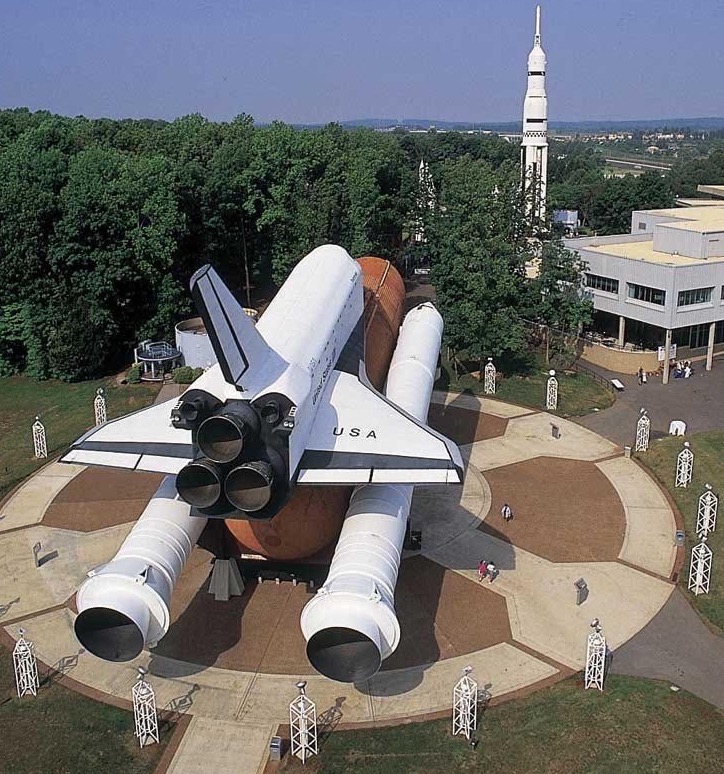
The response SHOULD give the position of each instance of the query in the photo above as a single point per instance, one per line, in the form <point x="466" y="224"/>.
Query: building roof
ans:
<point x="643" y="251"/>
<point x="712" y="190"/>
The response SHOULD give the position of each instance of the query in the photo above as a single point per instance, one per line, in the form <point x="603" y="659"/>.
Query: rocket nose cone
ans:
<point x="108" y="634"/>
<point x="342" y="654"/>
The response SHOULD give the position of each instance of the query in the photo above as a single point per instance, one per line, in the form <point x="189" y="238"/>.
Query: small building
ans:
<point x="659" y="289"/>
<point x="156" y="358"/>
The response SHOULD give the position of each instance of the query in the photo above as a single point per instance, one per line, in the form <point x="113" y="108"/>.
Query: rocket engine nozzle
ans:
<point x="221" y="438"/>
<point x="343" y="654"/>
<point x="200" y="483"/>
<point x="248" y="487"/>
<point x="110" y="633"/>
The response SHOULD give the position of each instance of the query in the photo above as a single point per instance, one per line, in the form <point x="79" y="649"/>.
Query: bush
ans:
<point x="134" y="374"/>
<point x="197" y="373"/>
<point x="183" y="375"/>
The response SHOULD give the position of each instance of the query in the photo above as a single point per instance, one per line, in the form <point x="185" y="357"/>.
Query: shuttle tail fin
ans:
<point x="239" y="347"/>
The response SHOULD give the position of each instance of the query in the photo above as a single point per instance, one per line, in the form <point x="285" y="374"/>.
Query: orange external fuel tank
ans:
<point x="312" y="518"/>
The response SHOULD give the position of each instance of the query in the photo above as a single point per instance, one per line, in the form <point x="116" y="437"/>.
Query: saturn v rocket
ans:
<point x="273" y="440"/>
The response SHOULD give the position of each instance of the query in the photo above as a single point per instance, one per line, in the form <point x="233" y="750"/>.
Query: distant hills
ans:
<point x="649" y="124"/>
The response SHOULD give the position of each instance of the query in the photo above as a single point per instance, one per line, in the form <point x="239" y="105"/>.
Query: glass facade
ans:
<point x="695" y="296"/>
<point x="607" y="284"/>
<point x="646" y="294"/>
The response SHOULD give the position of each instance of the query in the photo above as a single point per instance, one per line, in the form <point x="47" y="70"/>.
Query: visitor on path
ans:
<point x="506" y="512"/>
<point x="492" y="572"/>
<point x="482" y="570"/>
<point x="641" y="375"/>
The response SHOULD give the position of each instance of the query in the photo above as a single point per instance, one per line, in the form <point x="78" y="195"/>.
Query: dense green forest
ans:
<point x="103" y="221"/>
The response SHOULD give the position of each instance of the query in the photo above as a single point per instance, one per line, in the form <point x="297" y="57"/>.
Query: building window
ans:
<point x="696" y="296"/>
<point x="642" y="226"/>
<point x="644" y="293"/>
<point x="606" y="284"/>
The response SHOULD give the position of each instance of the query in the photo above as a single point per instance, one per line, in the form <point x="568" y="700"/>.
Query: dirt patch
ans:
<point x="463" y="425"/>
<point x="564" y="510"/>
<point x="441" y="615"/>
<point x="101" y="497"/>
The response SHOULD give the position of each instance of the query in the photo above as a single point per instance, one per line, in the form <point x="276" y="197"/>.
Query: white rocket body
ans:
<point x="534" y="150"/>
<point x="350" y="625"/>
<point x="124" y="605"/>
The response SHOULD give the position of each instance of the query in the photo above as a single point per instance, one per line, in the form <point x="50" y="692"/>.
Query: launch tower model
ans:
<point x="534" y="150"/>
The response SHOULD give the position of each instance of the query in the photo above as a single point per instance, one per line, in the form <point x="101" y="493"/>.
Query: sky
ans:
<point x="303" y="61"/>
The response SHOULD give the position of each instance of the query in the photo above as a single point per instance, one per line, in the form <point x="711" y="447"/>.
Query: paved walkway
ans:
<point x="696" y="401"/>
<point x="235" y="712"/>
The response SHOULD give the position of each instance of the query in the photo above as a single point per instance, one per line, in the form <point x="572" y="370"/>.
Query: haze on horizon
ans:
<point x="314" y="62"/>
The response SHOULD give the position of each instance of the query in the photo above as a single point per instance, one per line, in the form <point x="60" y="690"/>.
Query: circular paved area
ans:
<point x="581" y="510"/>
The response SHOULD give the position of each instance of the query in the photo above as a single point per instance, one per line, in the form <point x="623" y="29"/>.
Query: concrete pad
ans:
<point x="650" y="523"/>
<point x="541" y="595"/>
<point x="444" y="512"/>
<point x="530" y="436"/>
<point x="38" y="588"/>
<point x="30" y="501"/>
<point x="214" y="745"/>
<point x="478" y="403"/>
<point x="500" y="669"/>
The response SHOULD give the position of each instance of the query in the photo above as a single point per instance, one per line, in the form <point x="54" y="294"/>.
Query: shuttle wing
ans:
<point x="360" y="437"/>
<point x="145" y="440"/>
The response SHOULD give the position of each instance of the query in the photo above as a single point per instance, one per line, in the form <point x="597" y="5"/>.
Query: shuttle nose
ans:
<point x="199" y="483"/>
<point x="221" y="437"/>
<point x="249" y="486"/>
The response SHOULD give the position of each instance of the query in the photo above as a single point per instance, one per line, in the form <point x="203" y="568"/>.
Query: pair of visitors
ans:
<point x="487" y="570"/>
<point x="642" y="376"/>
<point x="506" y="512"/>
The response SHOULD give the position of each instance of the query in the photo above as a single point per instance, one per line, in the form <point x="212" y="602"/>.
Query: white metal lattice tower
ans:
<point x="465" y="705"/>
<point x="26" y="666"/>
<point x="40" y="444"/>
<point x="490" y="373"/>
<point x="706" y="512"/>
<point x="99" y="407"/>
<point x="595" y="657"/>
<point x="684" y="466"/>
<point x="303" y="724"/>
<point x="700" y="568"/>
<point x="552" y="392"/>
<point x="643" y="432"/>
<point x="144" y="710"/>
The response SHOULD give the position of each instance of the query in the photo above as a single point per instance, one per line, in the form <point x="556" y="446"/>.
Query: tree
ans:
<point x="478" y="256"/>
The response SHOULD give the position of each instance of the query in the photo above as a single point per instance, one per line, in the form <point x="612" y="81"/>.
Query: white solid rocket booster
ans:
<point x="350" y="625"/>
<point x="124" y="606"/>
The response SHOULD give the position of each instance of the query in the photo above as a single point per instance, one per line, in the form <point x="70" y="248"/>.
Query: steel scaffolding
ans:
<point x="144" y="710"/>
<point x="643" y="432"/>
<point x="303" y="724"/>
<point x="684" y="466"/>
<point x="490" y="373"/>
<point x="595" y="657"/>
<point x="26" y="666"/>
<point x="552" y="392"/>
<point x="706" y="512"/>
<point x="465" y="705"/>
<point x="40" y="444"/>
<point x="700" y="568"/>
<point x="99" y="407"/>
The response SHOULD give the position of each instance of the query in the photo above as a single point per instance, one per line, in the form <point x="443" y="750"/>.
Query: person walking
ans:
<point x="492" y="572"/>
<point x="482" y="570"/>
<point x="506" y="512"/>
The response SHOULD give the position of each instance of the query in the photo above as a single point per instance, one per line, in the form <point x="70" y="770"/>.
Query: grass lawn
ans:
<point x="66" y="410"/>
<point x="578" y="394"/>
<point x="634" y="727"/>
<point x="63" y="732"/>
<point x="708" y="451"/>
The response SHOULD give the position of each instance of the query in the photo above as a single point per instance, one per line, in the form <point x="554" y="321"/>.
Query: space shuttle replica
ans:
<point x="271" y="440"/>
